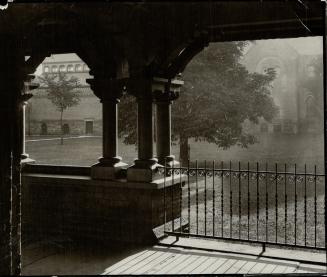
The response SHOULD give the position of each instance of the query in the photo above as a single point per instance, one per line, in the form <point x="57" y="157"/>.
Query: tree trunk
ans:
<point x="62" y="129"/>
<point x="184" y="153"/>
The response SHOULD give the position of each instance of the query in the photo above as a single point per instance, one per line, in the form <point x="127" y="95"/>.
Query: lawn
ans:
<point x="233" y="209"/>
<point x="272" y="149"/>
<point x="233" y="214"/>
<point x="81" y="151"/>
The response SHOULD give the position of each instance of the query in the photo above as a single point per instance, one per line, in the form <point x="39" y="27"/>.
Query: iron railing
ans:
<point x="277" y="205"/>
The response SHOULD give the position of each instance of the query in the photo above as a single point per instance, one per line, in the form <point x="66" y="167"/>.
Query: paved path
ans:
<point x="58" y="138"/>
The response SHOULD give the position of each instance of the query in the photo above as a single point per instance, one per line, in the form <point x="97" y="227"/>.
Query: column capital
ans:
<point x="25" y="97"/>
<point x="154" y="88"/>
<point x="141" y="88"/>
<point x="165" y="96"/>
<point x="107" y="89"/>
<point x="29" y="85"/>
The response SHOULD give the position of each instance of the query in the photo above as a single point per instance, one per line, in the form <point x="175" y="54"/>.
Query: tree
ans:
<point x="219" y="94"/>
<point x="62" y="93"/>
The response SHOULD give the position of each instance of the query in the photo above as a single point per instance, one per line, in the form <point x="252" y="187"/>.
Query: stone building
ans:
<point x="295" y="63"/>
<point x="42" y="118"/>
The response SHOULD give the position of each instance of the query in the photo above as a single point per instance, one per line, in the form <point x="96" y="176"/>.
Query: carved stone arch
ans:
<point x="100" y="54"/>
<point x="309" y="104"/>
<point x="182" y="54"/>
<point x="105" y="58"/>
<point x="52" y="25"/>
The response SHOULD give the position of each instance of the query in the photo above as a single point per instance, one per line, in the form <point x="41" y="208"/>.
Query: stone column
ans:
<point x="165" y="93"/>
<point x="109" y="92"/>
<point x="24" y="101"/>
<point x="12" y="81"/>
<point x="144" y="166"/>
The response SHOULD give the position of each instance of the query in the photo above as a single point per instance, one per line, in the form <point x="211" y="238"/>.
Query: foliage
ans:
<point x="219" y="94"/>
<point x="127" y="119"/>
<point x="61" y="90"/>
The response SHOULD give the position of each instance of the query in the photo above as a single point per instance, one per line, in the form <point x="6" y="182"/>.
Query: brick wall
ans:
<point x="76" y="127"/>
<point x="101" y="210"/>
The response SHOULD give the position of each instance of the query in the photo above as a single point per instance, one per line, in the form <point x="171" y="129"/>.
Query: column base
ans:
<point x="144" y="171"/>
<point x="169" y="161"/>
<point x="108" y="169"/>
<point x="26" y="159"/>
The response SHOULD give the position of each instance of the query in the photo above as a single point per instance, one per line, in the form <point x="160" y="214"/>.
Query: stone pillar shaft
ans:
<point x="163" y="131"/>
<point x="145" y="129"/>
<point x="145" y="165"/>
<point x="166" y="91"/>
<point x="110" y="129"/>
<point x="22" y="111"/>
<point x="24" y="155"/>
<point x="109" y="91"/>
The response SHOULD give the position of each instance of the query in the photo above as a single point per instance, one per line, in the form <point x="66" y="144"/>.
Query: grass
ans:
<point x="82" y="151"/>
<point x="242" y="211"/>
<point x="272" y="149"/>
<point x="233" y="214"/>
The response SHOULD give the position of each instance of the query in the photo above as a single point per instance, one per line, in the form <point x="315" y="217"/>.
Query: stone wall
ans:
<point x="81" y="208"/>
<point x="76" y="127"/>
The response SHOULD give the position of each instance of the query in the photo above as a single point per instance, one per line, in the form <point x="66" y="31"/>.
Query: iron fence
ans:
<point x="277" y="204"/>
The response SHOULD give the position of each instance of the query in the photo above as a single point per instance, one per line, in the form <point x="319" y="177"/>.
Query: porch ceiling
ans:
<point x="154" y="33"/>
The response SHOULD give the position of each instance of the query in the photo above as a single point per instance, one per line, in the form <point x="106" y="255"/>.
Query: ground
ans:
<point x="85" y="150"/>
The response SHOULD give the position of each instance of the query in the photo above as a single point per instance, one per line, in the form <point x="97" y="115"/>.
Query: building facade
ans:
<point x="84" y="119"/>
<point x="298" y="86"/>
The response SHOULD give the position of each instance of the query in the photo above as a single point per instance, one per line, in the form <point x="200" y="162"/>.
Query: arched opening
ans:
<point x="62" y="68"/>
<point x="311" y="71"/>
<point x="78" y="68"/>
<point x="310" y="108"/>
<point x="49" y="124"/>
<point x="66" y="129"/>
<point x="70" y="68"/>
<point x="54" y="69"/>
<point x="44" y="129"/>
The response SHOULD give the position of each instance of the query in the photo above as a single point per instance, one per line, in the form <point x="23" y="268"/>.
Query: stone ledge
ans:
<point x="40" y="178"/>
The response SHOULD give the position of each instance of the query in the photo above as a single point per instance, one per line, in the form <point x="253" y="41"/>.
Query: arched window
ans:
<point x="277" y="71"/>
<point x="54" y="68"/>
<point x="309" y="107"/>
<point x="78" y="67"/>
<point x="65" y="129"/>
<point x="44" y="128"/>
<point x="264" y="127"/>
<point x="70" y="68"/>
<point x="46" y="69"/>
<point x="85" y="67"/>
<point x="277" y="128"/>
<point x="62" y="68"/>
<point x="311" y="71"/>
